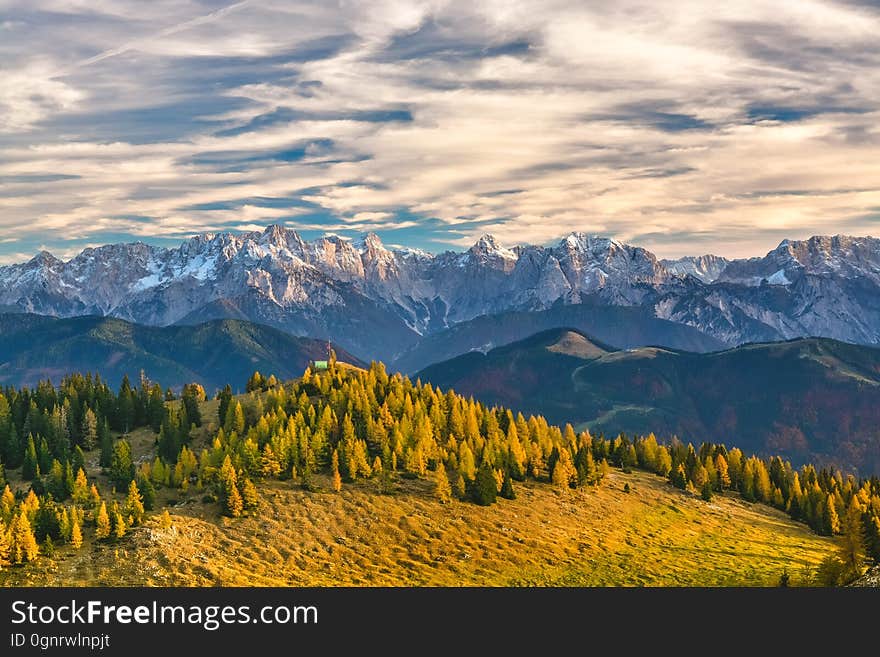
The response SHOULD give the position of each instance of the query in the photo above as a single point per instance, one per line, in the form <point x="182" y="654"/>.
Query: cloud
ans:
<point x="683" y="128"/>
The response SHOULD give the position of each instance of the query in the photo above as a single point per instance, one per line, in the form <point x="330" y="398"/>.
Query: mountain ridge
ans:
<point x="809" y="399"/>
<point x="36" y="347"/>
<point x="379" y="302"/>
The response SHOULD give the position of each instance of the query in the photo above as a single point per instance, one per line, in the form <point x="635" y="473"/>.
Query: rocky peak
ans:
<point x="44" y="259"/>
<point x="370" y="243"/>
<point x="487" y="251"/>
<point x="706" y="268"/>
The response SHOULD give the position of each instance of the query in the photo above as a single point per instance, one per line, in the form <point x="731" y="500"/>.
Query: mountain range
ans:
<point x="36" y="348"/>
<point x="809" y="399"/>
<point x="381" y="303"/>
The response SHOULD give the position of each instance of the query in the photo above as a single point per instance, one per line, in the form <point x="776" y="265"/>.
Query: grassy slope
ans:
<point x="655" y="535"/>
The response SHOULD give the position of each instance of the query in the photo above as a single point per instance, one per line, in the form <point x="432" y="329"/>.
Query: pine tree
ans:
<point x="230" y="496"/>
<point x="234" y="504"/>
<point x="191" y="395"/>
<point x="679" y="477"/>
<point x="585" y="466"/>
<point x="563" y="473"/>
<point x="5" y="547"/>
<point x="442" y="487"/>
<point x="852" y="544"/>
<point x="337" y="478"/>
<point x="7" y="505"/>
<point x="24" y="545"/>
<point x="270" y="466"/>
<point x="832" y="520"/>
<point x="102" y="523"/>
<point x="76" y="538"/>
<point x="459" y="487"/>
<point x="30" y="468"/>
<point x="484" y="489"/>
<point x="507" y="491"/>
<point x="66" y="525"/>
<point x="225" y="397"/>
<point x="119" y="527"/>
<point x="89" y="430"/>
<point x="134" y="505"/>
<point x="147" y="491"/>
<point x="722" y="472"/>
<point x="706" y="491"/>
<point x="121" y="464"/>
<point x="234" y="420"/>
<point x="249" y="496"/>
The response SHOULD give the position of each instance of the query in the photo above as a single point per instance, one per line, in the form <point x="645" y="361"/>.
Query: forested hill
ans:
<point x="348" y="427"/>
<point x="213" y="354"/>
<point x="808" y="400"/>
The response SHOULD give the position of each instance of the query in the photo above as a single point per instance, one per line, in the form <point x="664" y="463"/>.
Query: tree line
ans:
<point x="47" y="432"/>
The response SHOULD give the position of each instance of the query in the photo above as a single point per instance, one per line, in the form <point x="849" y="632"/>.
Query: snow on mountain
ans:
<point x="376" y="301"/>
<point x="706" y="268"/>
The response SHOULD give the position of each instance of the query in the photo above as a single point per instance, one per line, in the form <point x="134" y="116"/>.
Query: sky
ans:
<point x="682" y="126"/>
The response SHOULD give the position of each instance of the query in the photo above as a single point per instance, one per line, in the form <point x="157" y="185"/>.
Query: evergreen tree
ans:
<point x="89" y="430"/>
<point x="852" y="544"/>
<point x="234" y="505"/>
<point x="484" y="490"/>
<point x="563" y="473"/>
<point x="249" y="496"/>
<point x="76" y="537"/>
<point x="119" y="527"/>
<point x="5" y="547"/>
<point x="121" y="465"/>
<point x="102" y="523"/>
<point x="442" y="487"/>
<point x="147" y="491"/>
<point x="7" y="505"/>
<point x="191" y="396"/>
<point x="23" y="543"/>
<point x="225" y="398"/>
<point x="133" y="511"/>
<point x="30" y="468"/>
<point x="706" y="491"/>
<point x="230" y="496"/>
<point x="459" y="487"/>
<point x="234" y="422"/>
<point x="507" y="491"/>
<point x="723" y="474"/>
<point x="334" y="469"/>
<point x="679" y="477"/>
<point x="831" y="519"/>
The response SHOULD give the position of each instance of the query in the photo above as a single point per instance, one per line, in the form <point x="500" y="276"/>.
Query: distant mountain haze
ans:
<point x="379" y="303"/>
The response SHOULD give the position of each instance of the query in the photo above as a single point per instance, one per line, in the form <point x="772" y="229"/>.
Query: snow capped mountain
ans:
<point x="706" y="268"/>
<point x="377" y="301"/>
<point x="840" y="255"/>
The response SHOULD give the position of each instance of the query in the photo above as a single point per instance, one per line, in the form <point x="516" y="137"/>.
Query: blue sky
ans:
<point x="680" y="126"/>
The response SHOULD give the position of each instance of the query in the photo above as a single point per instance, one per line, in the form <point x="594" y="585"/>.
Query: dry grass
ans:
<point x="654" y="535"/>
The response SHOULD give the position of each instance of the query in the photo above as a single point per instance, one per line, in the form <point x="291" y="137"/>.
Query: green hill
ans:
<point x="36" y="347"/>
<point x="810" y="400"/>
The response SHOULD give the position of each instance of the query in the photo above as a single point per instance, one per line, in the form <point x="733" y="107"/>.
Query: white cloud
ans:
<point x="734" y="125"/>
